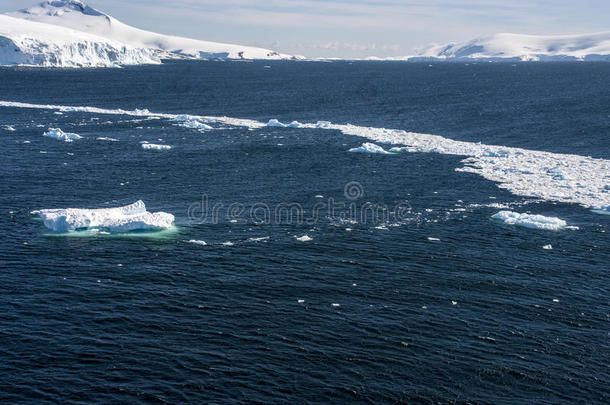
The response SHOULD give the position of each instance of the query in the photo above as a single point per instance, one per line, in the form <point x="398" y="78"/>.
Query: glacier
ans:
<point x="128" y="218"/>
<point x="28" y="43"/>
<point x="69" y="33"/>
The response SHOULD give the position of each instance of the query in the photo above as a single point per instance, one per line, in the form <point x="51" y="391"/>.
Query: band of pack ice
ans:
<point x="529" y="173"/>
<point x="68" y="33"/>
<point x="129" y="218"/>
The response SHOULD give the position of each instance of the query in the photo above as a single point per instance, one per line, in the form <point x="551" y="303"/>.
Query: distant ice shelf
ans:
<point x="519" y="48"/>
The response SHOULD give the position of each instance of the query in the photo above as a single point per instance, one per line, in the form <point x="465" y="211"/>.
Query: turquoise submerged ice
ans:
<point x="133" y="217"/>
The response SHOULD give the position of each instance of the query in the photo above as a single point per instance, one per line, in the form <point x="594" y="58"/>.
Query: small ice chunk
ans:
<point x="548" y="247"/>
<point x="434" y="239"/>
<point x="198" y="242"/>
<point x="304" y="238"/>
<point x="275" y="123"/>
<point x="192" y="122"/>
<point x="335" y="305"/>
<point x="105" y="138"/>
<point x="228" y="243"/>
<point x="454" y="303"/>
<point x="301" y="301"/>
<point x="368" y="147"/>
<point x="323" y="124"/>
<point x="530" y="221"/>
<point x="261" y="239"/>
<point x="9" y="128"/>
<point x="153" y="146"/>
<point x="128" y="218"/>
<point x="57" y="133"/>
<point x="295" y="124"/>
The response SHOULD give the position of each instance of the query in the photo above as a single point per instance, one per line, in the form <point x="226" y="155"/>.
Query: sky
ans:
<point x="351" y="28"/>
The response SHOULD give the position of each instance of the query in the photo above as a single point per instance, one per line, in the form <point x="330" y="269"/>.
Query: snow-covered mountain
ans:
<point x="68" y="33"/>
<point x="593" y="47"/>
<point x="35" y="44"/>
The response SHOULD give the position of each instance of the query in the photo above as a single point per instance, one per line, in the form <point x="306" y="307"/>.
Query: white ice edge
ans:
<point x="528" y="173"/>
<point x="128" y="218"/>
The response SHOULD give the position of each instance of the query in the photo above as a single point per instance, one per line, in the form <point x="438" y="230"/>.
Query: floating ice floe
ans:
<point x="198" y="242"/>
<point x="370" y="148"/>
<point x="153" y="146"/>
<point x="530" y="221"/>
<point x="275" y="123"/>
<point x="105" y="138"/>
<point x="261" y="239"/>
<point x="129" y="218"/>
<point x="548" y="247"/>
<point x="9" y="128"/>
<point x="191" y="122"/>
<point x="57" y="133"/>
<point x="304" y="238"/>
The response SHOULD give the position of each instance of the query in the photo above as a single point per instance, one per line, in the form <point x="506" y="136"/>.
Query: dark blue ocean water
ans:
<point x="482" y="315"/>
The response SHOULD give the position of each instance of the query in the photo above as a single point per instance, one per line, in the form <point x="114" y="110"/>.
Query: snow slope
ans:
<point x="591" y="47"/>
<point x="31" y="43"/>
<point x="76" y="15"/>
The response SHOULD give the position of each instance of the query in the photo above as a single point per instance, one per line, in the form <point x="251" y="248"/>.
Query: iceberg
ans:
<point x="370" y="148"/>
<point x="530" y="221"/>
<point x="152" y="146"/>
<point x="57" y="133"/>
<point x="133" y="217"/>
